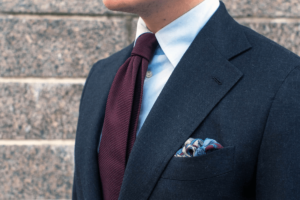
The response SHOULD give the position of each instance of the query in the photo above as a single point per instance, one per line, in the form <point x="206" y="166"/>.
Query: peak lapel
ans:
<point x="202" y="78"/>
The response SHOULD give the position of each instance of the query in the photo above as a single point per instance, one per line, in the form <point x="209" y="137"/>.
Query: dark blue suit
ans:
<point x="232" y="85"/>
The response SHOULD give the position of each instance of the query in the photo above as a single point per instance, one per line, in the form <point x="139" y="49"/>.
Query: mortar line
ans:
<point x="88" y="16"/>
<point x="43" y="80"/>
<point x="117" y="14"/>
<point x="37" y="142"/>
<point x="65" y="15"/>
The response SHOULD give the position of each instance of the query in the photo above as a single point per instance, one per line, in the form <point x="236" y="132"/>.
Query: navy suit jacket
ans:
<point x="232" y="85"/>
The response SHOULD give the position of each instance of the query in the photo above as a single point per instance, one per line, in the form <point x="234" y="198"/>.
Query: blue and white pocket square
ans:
<point x="197" y="147"/>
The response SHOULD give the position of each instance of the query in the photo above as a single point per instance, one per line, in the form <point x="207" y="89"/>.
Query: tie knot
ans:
<point x="145" y="46"/>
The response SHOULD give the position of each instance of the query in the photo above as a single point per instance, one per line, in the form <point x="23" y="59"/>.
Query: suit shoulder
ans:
<point x="107" y="63"/>
<point x="268" y="57"/>
<point x="268" y="48"/>
<point x="103" y="71"/>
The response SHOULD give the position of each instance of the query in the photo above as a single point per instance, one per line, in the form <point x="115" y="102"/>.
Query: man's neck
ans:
<point x="158" y="17"/>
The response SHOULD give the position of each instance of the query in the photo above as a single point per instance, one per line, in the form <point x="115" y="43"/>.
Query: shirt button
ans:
<point x="149" y="74"/>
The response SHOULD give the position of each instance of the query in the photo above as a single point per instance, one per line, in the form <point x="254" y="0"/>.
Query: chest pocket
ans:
<point x="196" y="168"/>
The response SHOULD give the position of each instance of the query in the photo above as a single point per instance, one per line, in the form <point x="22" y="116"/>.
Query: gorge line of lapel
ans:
<point x="202" y="78"/>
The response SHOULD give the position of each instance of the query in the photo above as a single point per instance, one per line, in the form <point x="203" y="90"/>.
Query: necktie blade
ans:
<point x="121" y="116"/>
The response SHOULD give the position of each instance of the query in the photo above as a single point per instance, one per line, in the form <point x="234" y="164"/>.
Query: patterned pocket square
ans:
<point x="197" y="147"/>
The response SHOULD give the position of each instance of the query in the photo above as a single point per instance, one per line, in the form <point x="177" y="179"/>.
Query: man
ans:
<point x="192" y="72"/>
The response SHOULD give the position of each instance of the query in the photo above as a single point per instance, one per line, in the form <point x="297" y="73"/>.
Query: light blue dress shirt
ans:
<point x="173" y="39"/>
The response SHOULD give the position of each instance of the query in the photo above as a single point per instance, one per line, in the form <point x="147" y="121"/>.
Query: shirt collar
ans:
<point x="176" y="37"/>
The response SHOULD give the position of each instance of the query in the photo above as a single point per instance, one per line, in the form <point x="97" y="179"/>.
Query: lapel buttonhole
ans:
<point x="217" y="80"/>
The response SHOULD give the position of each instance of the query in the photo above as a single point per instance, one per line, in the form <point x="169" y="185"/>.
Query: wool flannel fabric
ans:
<point x="197" y="147"/>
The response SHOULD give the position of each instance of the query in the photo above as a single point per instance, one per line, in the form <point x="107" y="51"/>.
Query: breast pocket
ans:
<point x="196" y="168"/>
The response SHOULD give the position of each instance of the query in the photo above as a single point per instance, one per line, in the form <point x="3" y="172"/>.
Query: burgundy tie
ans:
<point x="122" y="114"/>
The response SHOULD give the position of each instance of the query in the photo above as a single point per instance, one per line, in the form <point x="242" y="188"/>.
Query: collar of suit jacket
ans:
<point x="176" y="37"/>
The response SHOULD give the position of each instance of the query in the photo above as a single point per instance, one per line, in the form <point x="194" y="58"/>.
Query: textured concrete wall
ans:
<point x="47" y="49"/>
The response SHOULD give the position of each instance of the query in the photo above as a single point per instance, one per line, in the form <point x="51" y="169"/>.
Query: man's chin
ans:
<point x="118" y="5"/>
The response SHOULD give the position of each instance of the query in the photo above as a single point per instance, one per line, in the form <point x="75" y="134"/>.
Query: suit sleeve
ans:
<point x="77" y="190"/>
<point x="278" y="166"/>
<point x="74" y="192"/>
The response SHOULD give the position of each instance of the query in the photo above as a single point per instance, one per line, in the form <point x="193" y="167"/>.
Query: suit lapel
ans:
<point x="202" y="78"/>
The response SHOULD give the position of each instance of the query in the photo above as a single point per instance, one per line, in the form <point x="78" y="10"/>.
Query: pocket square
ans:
<point x="197" y="147"/>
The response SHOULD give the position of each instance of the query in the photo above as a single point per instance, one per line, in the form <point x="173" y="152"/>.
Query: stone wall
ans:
<point x="47" y="49"/>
